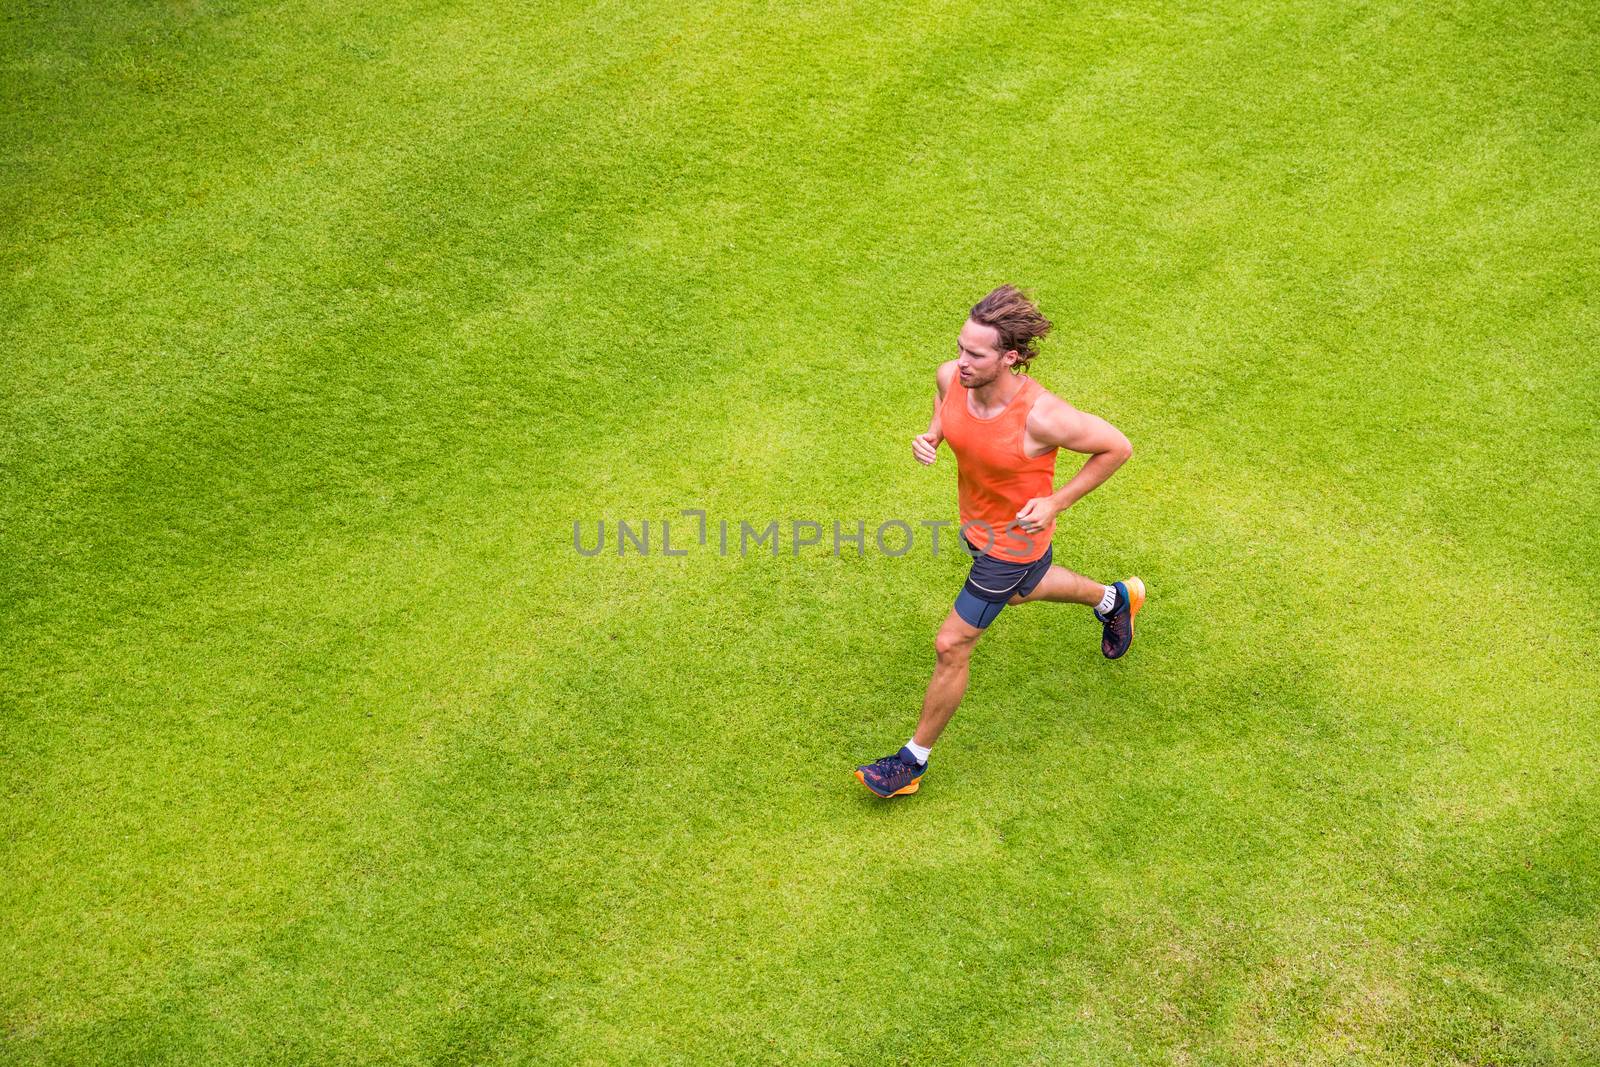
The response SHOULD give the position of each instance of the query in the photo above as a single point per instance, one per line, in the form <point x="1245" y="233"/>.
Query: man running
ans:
<point x="1005" y="428"/>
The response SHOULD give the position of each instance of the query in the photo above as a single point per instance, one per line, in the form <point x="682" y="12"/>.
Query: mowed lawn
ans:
<point x="323" y="323"/>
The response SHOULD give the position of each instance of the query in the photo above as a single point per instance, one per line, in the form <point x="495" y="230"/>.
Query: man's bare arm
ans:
<point x="925" y="446"/>
<point x="1055" y="422"/>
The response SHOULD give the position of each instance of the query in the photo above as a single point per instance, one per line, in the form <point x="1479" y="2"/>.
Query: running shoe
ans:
<point x="1117" y="625"/>
<point x="892" y="776"/>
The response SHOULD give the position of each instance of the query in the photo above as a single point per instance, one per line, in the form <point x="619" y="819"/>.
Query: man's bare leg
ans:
<point x="1115" y="615"/>
<point x="953" y="645"/>
<point x="955" y="640"/>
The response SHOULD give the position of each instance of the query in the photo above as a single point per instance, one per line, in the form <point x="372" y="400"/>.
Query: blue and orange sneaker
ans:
<point x="1117" y="633"/>
<point x="893" y="776"/>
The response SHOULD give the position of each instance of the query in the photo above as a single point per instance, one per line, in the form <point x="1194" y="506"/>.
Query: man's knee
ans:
<point x="952" y="646"/>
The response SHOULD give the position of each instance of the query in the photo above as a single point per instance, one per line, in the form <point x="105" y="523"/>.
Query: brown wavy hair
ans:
<point x="1018" y="319"/>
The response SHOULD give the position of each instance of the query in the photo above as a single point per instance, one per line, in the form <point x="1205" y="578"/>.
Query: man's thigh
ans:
<point x="993" y="583"/>
<point x="957" y="629"/>
<point x="1045" y="588"/>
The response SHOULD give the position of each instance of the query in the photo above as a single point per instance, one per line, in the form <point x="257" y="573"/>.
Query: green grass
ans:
<point x="322" y="324"/>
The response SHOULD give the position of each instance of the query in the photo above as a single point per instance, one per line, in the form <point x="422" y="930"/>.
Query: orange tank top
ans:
<point x="994" y="476"/>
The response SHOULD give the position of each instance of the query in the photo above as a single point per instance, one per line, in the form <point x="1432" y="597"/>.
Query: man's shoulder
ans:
<point x="1049" y="409"/>
<point x="945" y="375"/>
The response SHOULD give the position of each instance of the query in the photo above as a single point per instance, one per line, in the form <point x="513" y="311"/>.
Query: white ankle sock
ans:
<point x="1108" y="601"/>
<point x="918" y="751"/>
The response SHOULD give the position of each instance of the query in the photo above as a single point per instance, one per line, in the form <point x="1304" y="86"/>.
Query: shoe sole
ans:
<point x="902" y="792"/>
<point x="1135" y="588"/>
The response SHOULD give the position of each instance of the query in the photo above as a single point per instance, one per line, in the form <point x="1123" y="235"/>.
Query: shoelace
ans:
<point x="889" y="765"/>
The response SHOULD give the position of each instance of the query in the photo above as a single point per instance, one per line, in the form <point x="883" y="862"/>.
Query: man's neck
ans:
<point x="999" y="392"/>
